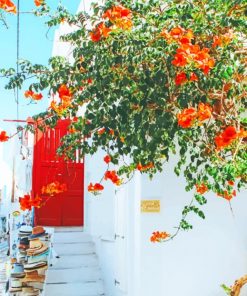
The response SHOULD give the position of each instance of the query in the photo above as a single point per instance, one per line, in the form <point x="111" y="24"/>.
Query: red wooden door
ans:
<point x="63" y="209"/>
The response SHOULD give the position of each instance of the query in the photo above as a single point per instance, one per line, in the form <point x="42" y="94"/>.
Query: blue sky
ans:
<point x="34" y="46"/>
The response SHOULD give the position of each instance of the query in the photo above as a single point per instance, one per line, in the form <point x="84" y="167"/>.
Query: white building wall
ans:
<point x="194" y="263"/>
<point x="5" y="179"/>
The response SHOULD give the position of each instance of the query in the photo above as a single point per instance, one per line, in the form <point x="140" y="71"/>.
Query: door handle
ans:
<point x="116" y="282"/>
<point x="120" y="236"/>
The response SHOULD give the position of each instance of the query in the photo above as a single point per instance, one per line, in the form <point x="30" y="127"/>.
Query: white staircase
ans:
<point x="76" y="272"/>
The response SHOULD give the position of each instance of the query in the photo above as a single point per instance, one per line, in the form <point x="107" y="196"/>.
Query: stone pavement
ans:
<point x="76" y="272"/>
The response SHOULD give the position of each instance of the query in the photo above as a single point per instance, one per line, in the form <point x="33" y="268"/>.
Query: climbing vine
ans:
<point x="155" y="78"/>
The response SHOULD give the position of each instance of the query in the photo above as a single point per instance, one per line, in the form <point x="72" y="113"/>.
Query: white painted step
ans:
<point x="76" y="261"/>
<point x="75" y="289"/>
<point x="72" y="237"/>
<point x="73" y="275"/>
<point x="74" y="248"/>
<point x="76" y="272"/>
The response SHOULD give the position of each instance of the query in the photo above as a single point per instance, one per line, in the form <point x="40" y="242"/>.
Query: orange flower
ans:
<point x="65" y="96"/>
<point x="159" y="236"/>
<point x="217" y="41"/>
<point x="104" y="31"/>
<point x="228" y="196"/>
<point x="124" y="24"/>
<point x="99" y="31"/>
<point x="28" y="94"/>
<point x="54" y="188"/>
<point x="120" y="17"/>
<point x="226" y="137"/>
<point x="107" y="159"/>
<point x="201" y="188"/>
<point x="53" y="105"/>
<point x="111" y="132"/>
<point x="122" y="139"/>
<point x="193" y="77"/>
<point x="36" y="202"/>
<point x="8" y="6"/>
<point x="184" y="40"/>
<point x="71" y="130"/>
<point x="38" y="2"/>
<point x="64" y="92"/>
<point x="179" y="60"/>
<point x="187" y="117"/>
<point x="231" y="183"/>
<point x="189" y="53"/>
<point x="3" y="136"/>
<point x="223" y="40"/>
<point x="177" y="32"/>
<point x="204" y="111"/>
<point x="95" y="188"/>
<point x="180" y="78"/>
<point x="25" y="202"/>
<point x="31" y="95"/>
<point x="101" y="131"/>
<point x="37" y="97"/>
<point x="148" y="166"/>
<point x="164" y="33"/>
<point x="95" y="35"/>
<point x="242" y="133"/>
<point x="189" y="34"/>
<point x="60" y="108"/>
<point x="206" y="67"/>
<point x="204" y="61"/>
<point x="227" y="37"/>
<point x="117" y="12"/>
<point x="112" y="175"/>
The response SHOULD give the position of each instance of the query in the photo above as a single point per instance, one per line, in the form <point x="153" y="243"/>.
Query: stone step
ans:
<point x="74" y="248"/>
<point x="72" y="237"/>
<point x="75" y="289"/>
<point x="73" y="275"/>
<point x="76" y="261"/>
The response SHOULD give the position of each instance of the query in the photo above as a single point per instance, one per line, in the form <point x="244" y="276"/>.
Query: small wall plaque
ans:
<point x="150" y="206"/>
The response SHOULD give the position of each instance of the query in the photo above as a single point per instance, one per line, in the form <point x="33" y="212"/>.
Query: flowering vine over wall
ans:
<point x="157" y="78"/>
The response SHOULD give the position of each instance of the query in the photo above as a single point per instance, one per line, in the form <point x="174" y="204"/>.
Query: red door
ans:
<point x="63" y="209"/>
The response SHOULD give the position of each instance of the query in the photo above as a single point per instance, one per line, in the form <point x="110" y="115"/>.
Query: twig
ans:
<point x="179" y="227"/>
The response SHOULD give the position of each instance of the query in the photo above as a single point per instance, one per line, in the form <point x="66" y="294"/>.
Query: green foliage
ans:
<point x="226" y="289"/>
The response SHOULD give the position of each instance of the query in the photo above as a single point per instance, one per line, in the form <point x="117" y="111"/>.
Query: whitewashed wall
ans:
<point x="194" y="263"/>
<point x="5" y="179"/>
<point x="199" y="261"/>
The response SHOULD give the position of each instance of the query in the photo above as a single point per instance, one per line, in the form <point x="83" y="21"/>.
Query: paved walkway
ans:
<point x="76" y="273"/>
